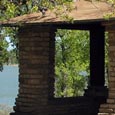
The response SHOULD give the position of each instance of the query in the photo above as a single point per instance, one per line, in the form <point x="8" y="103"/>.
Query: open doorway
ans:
<point x="72" y="61"/>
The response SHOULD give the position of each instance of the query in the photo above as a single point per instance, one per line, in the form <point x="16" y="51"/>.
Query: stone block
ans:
<point x="111" y="101"/>
<point x="112" y="74"/>
<point x="112" y="79"/>
<point x="112" y="95"/>
<point x="112" y="48"/>
<point x="104" y="106"/>
<point x="103" y="113"/>
<point x="111" y="84"/>
<point x="102" y="110"/>
<point x="112" y="106"/>
<point x="112" y="90"/>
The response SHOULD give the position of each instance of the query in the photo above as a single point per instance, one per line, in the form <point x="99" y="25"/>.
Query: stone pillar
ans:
<point x="36" y="69"/>
<point x="96" y="86"/>
<point x="109" y="107"/>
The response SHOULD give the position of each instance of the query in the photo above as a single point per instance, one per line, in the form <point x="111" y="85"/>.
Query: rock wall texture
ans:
<point x="109" y="107"/>
<point x="36" y="77"/>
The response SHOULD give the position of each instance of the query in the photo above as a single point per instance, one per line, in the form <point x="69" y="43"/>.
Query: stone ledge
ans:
<point x="105" y="110"/>
<point x="103" y="113"/>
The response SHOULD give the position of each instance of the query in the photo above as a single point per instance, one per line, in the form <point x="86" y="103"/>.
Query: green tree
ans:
<point x="13" y="8"/>
<point x="4" y="44"/>
<point x="72" y="47"/>
<point x="72" y="59"/>
<point x="3" y="52"/>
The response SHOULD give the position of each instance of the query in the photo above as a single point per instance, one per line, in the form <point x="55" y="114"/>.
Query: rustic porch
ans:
<point x="36" y="63"/>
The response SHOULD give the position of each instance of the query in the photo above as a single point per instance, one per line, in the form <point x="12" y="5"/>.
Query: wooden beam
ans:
<point x="97" y="56"/>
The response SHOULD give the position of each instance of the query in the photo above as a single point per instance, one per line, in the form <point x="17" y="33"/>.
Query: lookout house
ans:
<point x="37" y="61"/>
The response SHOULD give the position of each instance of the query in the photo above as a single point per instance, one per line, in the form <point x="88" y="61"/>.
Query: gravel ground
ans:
<point x="5" y="110"/>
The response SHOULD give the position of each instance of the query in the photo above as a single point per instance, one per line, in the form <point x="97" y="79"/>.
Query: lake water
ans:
<point x="9" y="85"/>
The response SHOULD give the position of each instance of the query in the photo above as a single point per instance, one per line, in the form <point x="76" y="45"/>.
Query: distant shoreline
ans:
<point x="15" y="65"/>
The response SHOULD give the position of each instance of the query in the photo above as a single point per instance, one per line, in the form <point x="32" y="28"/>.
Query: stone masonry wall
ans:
<point x="36" y="77"/>
<point x="109" y="107"/>
<point x="36" y="69"/>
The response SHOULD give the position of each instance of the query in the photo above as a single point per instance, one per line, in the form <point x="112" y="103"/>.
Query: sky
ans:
<point x="10" y="44"/>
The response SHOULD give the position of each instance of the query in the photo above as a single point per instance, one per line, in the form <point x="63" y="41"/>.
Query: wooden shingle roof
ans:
<point x="84" y="11"/>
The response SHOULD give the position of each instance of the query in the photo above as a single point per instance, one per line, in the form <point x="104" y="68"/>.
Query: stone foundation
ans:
<point x="109" y="107"/>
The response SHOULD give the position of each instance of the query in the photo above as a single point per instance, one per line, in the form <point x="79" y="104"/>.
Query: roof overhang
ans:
<point x="84" y="13"/>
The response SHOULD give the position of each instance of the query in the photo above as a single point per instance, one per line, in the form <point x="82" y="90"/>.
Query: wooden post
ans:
<point x="97" y="57"/>
<point x="96" y="88"/>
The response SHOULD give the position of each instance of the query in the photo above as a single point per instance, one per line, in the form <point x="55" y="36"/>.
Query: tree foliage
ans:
<point x="72" y="47"/>
<point x="72" y="62"/>
<point x="4" y="44"/>
<point x="13" y="8"/>
<point x="3" y="53"/>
